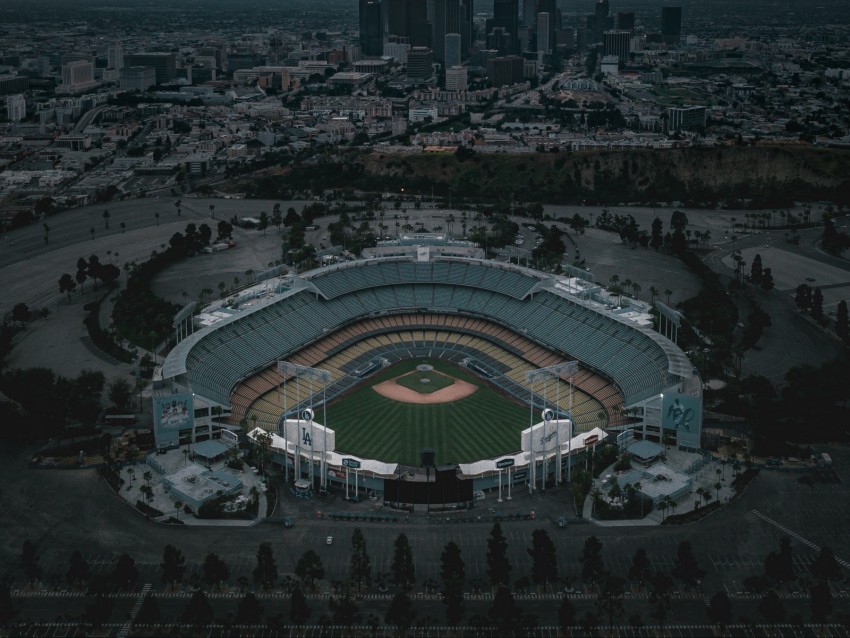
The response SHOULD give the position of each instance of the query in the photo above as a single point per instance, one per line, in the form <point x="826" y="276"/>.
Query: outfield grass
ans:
<point x="436" y="381"/>
<point x="483" y="425"/>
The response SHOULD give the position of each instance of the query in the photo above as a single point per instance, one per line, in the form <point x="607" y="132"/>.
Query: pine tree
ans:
<point x="756" y="270"/>
<point x="453" y="574"/>
<point x="360" y="565"/>
<point x="592" y="566"/>
<point x="265" y="573"/>
<point x="498" y="565"/>
<point x="299" y="611"/>
<point x="686" y="568"/>
<point x="173" y="565"/>
<point x="544" y="568"/>
<point x="404" y="571"/>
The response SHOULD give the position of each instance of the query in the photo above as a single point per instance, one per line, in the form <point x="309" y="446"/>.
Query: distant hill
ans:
<point x="772" y="175"/>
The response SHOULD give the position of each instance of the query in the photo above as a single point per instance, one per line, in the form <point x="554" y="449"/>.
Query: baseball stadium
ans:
<point x="366" y="375"/>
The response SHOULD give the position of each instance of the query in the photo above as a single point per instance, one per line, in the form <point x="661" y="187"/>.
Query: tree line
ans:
<point x="607" y="608"/>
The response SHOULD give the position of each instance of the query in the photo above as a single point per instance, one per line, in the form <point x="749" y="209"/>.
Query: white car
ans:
<point x="329" y="540"/>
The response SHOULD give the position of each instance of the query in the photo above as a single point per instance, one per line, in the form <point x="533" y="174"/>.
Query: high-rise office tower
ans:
<point x="551" y="7"/>
<point x="506" y="17"/>
<point x="371" y="31"/>
<point x="396" y="17"/>
<point x="505" y="70"/>
<point x="543" y="45"/>
<point x="671" y="24"/>
<point x="466" y="13"/>
<point x="601" y="23"/>
<point x="165" y="64"/>
<point x="115" y="56"/>
<point x="418" y="30"/>
<point x="529" y="13"/>
<point x="446" y="20"/>
<point x="419" y="63"/>
<point x="408" y="19"/>
<point x="456" y="78"/>
<point x="626" y="21"/>
<point x="452" y="49"/>
<point x="77" y="76"/>
<point x="16" y="107"/>
<point x="618" y="43"/>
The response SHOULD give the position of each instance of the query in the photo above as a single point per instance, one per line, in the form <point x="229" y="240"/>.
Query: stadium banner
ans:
<point x="171" y="414"/>
<point x="309" y="435"/>
<point x="175" y="412"/>
<point x="682" y="413"/>
<point x="546" y="436"/>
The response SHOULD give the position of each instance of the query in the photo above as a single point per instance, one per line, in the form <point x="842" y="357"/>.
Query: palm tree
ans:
<point x="123" y="227"/>
<point x="668" y="292"/>
<point x="156" y="216"/>
<point x="717" y="487"/>
<point x="212" y="211"/>
<point x="91" y="230"/>
<point x="653" y="293"/>
<point x="106" y="216"/>
<point x="177" y="205"/>
<point x="636" y="288"/>
<point x="450" y="221"/>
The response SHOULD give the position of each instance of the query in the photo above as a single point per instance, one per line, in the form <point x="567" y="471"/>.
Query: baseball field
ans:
<point x="484" y="423"/>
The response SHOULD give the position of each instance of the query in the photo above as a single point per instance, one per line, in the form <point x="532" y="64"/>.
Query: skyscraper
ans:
<point x="16" y="107"/>
<point x="466" y="13"/>
<point x="601" y="23"/>
<point x="371" y="31"/>
<point x="417" y="23"/>
<point x="551" y="7"/>
<point x="626" y="21"/>
<point x="529" y="13"/>
<point x="618" y="43"/>
<point x="506" y="16"/>
<point x="165" y="64"/>
<point x="452" y="49"/>
<point x="419" y="63"/>
<point x="408" y="19"/>
<point x="671" y="25"/>
<point x="446" y="20"/>
<point x="115" y="56"/>
<point x="543" y="45"/>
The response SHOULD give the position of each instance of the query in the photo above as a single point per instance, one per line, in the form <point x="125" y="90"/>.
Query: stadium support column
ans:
<point x="532" y="466"/>
<point x="324" y="464"/>
<point x="509" y="484"/>
<point x="499" y="500"/>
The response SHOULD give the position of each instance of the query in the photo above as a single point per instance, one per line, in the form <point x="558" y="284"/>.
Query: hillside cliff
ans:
<point x="772" y="176"/>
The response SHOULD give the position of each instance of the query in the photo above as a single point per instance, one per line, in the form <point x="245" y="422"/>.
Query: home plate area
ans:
<point x="424" y="386"/>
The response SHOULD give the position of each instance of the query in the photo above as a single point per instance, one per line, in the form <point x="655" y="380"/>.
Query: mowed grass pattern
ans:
<point x="435" y="381"/>
<point x="483" y="425"/>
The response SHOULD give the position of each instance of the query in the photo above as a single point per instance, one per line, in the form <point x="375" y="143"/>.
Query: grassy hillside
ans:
<point x="772" y="174"/>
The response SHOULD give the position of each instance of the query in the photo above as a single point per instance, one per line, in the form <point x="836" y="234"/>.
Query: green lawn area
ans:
<point x="483" y="425"/>
<point x="425" y="382"/>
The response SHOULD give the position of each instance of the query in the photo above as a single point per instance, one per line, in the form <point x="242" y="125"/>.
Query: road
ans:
<point x="61" y="511"/>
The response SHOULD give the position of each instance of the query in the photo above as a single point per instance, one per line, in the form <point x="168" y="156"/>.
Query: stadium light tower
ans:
<point x="556" y="372"/>
<point x="294" y="372"/>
